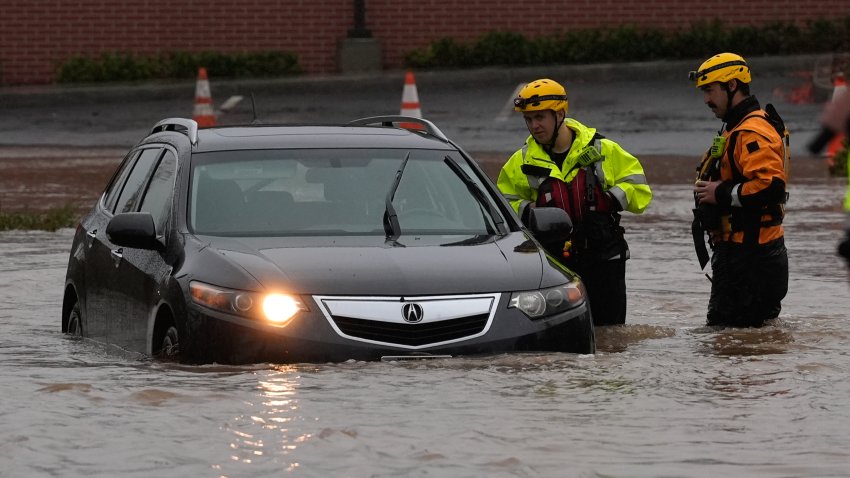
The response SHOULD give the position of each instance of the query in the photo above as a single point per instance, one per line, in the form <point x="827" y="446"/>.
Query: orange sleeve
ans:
<point x="759" y="160"/>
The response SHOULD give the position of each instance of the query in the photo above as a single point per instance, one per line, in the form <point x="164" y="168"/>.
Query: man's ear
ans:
<point x="732" y="85"/>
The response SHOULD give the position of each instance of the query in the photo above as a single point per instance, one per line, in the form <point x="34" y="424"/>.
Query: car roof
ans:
<point x="229" y="138"/>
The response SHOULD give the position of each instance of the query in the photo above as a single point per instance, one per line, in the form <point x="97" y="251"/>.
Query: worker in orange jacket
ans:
<point x="740" y="195"/>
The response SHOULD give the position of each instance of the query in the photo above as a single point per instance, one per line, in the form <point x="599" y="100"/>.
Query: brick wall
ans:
<point x="36" y="35"/>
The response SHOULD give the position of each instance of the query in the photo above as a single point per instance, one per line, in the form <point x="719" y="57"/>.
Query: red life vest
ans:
<point x="577" y="197"/>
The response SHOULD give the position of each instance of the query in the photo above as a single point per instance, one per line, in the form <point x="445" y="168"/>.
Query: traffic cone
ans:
<point x="839" y="86"/>
<point x="410" y="102"/>
<point x="203" y="113"/>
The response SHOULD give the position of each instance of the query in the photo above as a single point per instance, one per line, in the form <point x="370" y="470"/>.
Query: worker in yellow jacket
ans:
<point x="568" y="165"/>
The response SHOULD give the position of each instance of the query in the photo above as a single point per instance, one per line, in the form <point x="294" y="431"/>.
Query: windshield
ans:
<point x="333" y="192"/>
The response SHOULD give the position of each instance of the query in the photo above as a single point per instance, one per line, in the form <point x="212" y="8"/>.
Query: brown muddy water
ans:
<point x="664" y="395"/>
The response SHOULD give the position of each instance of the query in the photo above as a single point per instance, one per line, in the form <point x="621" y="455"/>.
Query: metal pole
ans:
<point x="359" y="30"/>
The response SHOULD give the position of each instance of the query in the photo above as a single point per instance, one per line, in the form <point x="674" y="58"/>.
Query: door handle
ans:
<point x="91" y="235"/>
<point x="117" y="255"/>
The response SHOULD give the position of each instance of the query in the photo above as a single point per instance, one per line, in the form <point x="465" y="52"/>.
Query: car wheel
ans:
<point x="170" y="347"/>
<point x="582" y="337"/>
<point x="588" y="345"/>
<point x="75" y="323"/>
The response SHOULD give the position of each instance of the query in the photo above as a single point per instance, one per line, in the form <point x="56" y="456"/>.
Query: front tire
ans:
<point x="581" y="336"/>
<point x="170" y="346"/>
<point x="586" y="343"/>
<point x="74" y="326"/>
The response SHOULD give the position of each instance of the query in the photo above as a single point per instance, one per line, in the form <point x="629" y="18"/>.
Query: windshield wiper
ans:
<point x="478" y="194"/>
<point x="391" y="227"/>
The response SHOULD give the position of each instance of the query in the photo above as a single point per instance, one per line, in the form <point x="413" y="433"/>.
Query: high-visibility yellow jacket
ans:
<point x="620" y="173"/>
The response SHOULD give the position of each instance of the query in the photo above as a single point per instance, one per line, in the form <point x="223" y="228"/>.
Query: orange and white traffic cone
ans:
<point x="839" y="86"/>
<point x="203" y="112"/>
<point x="410" y="102"/>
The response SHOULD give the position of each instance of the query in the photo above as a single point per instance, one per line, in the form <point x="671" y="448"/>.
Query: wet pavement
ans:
<point x="36" y="178"/>
<point x="649" y="108"/>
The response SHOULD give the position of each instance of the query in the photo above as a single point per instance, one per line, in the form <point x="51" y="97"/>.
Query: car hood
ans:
<point x="426" y="265"/>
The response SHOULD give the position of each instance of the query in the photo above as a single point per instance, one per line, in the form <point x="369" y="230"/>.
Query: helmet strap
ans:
<point x="557" y="129"/>
<point x="558" y="124"/>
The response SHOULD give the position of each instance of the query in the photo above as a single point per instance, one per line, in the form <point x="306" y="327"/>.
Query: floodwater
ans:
<point x="664" y="395"/>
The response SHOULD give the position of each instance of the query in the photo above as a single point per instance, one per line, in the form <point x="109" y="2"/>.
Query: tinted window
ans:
<point x="157" y="199"/>
<point x="132" y="190"/>
<point x="118" y="182"/>
<point x="332" y="192"/>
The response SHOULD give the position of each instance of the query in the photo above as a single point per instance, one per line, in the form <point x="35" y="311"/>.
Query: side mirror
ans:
<point x="133" y="229"/>
<point x="550" y="224"/>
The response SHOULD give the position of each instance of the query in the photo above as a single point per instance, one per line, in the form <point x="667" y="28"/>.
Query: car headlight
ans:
<point x="274" y="308"/>
<point x="546" y="302"/>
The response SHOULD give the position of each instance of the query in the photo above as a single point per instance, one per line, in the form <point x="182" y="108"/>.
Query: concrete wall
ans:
<point x="37" y="35"/>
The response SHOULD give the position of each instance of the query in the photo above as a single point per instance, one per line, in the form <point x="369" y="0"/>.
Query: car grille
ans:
<point x="410" y="322"/>
<point x="412" y="334"/>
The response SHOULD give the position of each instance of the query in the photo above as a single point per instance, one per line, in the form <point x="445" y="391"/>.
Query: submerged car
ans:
<point x="361" y="241"/>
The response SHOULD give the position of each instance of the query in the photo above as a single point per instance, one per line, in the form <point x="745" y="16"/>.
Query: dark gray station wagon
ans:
<point x="362" y="241"/>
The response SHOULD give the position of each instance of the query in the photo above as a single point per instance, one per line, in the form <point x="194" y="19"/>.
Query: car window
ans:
<point x="331" y="192"/>
<point x="118" y="180"/>
<point x="132" y="188"/>
<point x="157" y="200"/>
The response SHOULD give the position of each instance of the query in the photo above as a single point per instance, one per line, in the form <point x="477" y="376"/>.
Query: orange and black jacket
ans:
<point x="752" y="193"/>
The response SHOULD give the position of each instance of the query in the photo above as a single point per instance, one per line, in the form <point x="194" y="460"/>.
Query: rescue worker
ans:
<point x="740" y="196"/>
<point x="835" y="120"/>
<point x="569" y="165"/>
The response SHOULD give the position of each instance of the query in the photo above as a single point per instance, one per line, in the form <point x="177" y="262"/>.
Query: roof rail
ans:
<point x="181" y="125"/>
<point x="430" y="127"/>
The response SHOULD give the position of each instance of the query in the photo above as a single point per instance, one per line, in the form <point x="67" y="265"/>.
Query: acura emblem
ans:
<point x="411" y="313"/>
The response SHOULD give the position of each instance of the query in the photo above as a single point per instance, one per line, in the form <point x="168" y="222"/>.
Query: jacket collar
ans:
<point x="739" y="111"/>
<point x="583" y="137"/>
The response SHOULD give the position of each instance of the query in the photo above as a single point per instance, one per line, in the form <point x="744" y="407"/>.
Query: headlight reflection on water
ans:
<point x="263" y="437"/>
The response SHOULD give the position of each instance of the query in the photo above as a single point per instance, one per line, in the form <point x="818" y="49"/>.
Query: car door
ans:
<point x="141" y="274"/>
<point x="96" y="254"/>
<point x="111" y="301"/>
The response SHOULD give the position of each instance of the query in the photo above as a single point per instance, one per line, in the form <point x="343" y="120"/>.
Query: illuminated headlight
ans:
<point x="546" y="302"/>
<point x="276" y="309"/>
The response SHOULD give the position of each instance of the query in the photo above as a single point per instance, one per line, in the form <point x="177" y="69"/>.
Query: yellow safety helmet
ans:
<point x="541" y="94"/>
<point x="721" y="67"/>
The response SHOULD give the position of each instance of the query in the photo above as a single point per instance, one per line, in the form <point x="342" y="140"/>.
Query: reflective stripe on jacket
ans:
<point x="755" y="188"/>
<point x="620" y="173"/>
